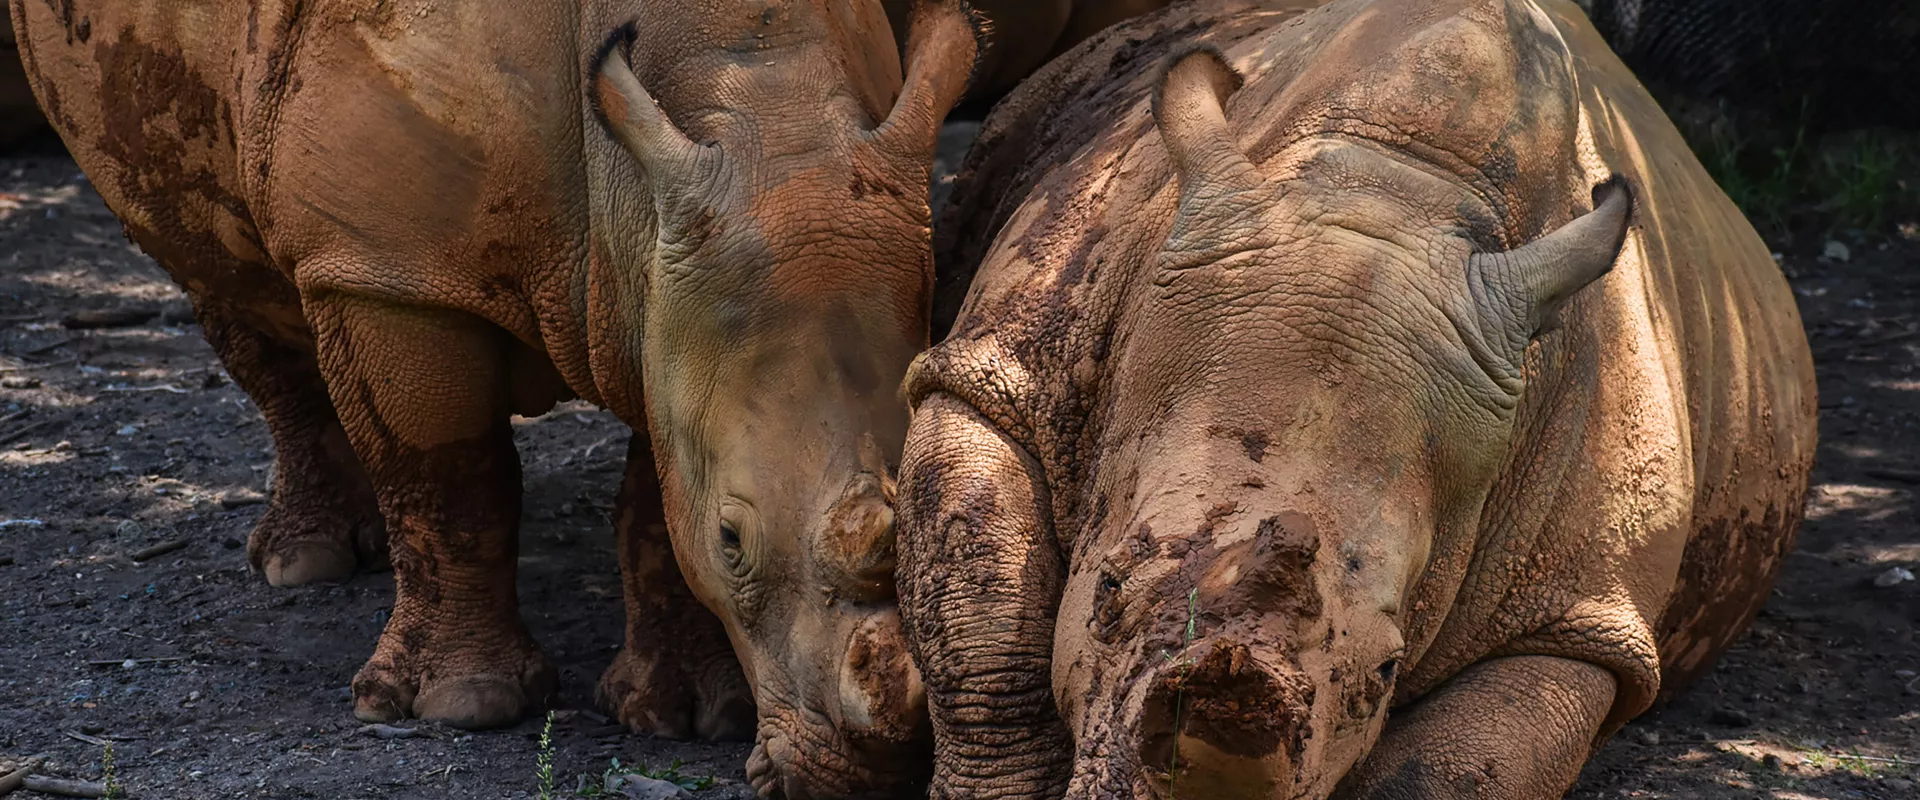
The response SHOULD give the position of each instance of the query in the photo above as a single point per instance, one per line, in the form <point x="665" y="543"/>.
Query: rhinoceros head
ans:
<point x="786" y="288"/>
<point x="1319" y="390"/>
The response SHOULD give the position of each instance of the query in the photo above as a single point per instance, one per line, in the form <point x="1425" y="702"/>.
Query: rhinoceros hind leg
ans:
<point x="1516" y="728"/>
<point x="677" y="677"/>
<point x="322" y="521"/>
<point x="420" y="393"/>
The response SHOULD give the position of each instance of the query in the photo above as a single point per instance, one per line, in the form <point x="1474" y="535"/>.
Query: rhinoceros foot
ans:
<point x="691" y="690"/>
<point x="487" y="675"/>
<point x="296" y="543"/>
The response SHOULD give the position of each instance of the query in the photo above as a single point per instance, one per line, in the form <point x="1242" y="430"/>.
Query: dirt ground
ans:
<point x="209" y="684"/>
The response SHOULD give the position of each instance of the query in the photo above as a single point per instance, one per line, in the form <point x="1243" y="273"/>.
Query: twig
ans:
<point x="81" y="737"/>
<point x="1891" y="474"/>
<point x="25" y="432"/>
<point x="158" y="550"/>
<point x="121" y="662"/>
<point x="35" y="783"/>
<point x="15" y="415"/>
<point x="163" y="387"/>
<point x="31" y="367"/>
<point x="17" y="778"/>
<point x="48" y="348"/>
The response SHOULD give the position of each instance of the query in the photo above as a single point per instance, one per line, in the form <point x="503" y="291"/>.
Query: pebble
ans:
<point x="1650" y="738"/>
<point x="1836" y="251"/>
<point x="1894" y="576"/>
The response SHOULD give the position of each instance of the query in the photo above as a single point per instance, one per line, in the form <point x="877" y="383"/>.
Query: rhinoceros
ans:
<point x="1378" y="402"/>
<point x="402" y="222"/>
<point x="1020" y="35"/>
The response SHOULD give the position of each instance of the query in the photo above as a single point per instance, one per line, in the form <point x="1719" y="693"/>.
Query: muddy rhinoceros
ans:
<point x="402" y="222"/>
<point x="1020" y="35"/>
<point x="1378" y="402"/>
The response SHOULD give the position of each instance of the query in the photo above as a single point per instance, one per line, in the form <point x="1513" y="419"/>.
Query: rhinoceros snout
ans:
<point x="1233" y="715"/>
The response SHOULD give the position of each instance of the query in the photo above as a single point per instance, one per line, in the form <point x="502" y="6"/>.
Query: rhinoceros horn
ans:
<point x="666" y="154"/>
<point x="1189" y="108"/>
<point x="940" y="60"/>
<point x="1536" y="278"/>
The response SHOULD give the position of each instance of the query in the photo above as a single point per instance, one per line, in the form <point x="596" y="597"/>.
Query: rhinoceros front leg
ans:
<point x="980" y="579"/>
<point x="677" y="677"/>
<point x="1515" y="728"/>
<point x="322" y="521"/>
<point x="422" y="395"/>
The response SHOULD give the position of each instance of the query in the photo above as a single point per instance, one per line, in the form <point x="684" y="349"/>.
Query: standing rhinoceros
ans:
<point x="402" y="221"/>
<point x="1279" y="452"/>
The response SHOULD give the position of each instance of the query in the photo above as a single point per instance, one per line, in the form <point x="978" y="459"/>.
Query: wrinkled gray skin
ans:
<point x="1384" y="405"/>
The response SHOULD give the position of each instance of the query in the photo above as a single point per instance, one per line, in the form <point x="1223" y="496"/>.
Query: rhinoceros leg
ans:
<point x="677" y="677"/>
<point x="322" y="521"/>
<point x="423" y="396"/>
<point x="980" y="580"/>
<point x="1516" y="728"/>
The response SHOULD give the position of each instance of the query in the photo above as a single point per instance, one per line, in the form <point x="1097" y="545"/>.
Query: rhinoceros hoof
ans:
<point x="649" y="695"/>
<point x="493" y="691"/>
<point x="298" y="544"/>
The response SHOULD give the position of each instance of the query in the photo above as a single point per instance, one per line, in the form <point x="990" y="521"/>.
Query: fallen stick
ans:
<point x="64" y="788"/>
<point x="158" y="550"/>
<point x="32" y="367"/>
<point x="15" y="415"/>
<point x="25" y="432"/>
<point x="135" y="660"/>
<point x="17" y="778"/>
<point x="81" y="737"/>
<point x="1889" y="474"/>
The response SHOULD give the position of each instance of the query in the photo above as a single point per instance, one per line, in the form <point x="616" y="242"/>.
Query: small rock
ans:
<point x="1730" y="717"/>
<point x="193" y="696"/>
<point x="1650" y="738"/>
<point x="1836" y="251"/>
<point x="1894" y="576"/>
<point x="1772" y="761"/>
<point x="636" y="787"/>
<point x="19" y="383"/>
<point x="92" y="729"/>
<point x="237" y="498"/>
<point x="127" y="527"/>
<point x="127" y="430"/>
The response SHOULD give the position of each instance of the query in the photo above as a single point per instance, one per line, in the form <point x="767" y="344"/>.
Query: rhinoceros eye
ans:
<point x="729" y="538"/>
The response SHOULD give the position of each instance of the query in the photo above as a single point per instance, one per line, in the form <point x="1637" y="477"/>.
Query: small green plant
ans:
<point x="1180" y="692"/>
<point x="544" y="761"/>
<point x="108" y="776"/>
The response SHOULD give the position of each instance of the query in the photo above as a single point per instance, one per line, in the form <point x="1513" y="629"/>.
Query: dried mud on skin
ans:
<point x="133" y="437"/>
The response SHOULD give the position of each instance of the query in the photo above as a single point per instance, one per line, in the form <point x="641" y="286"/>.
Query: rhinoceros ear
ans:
<point x="941" y="48"/>
<point x="1189" y="106"/>
<point x="1532" y="281"/>
<point x="636" y="120"/>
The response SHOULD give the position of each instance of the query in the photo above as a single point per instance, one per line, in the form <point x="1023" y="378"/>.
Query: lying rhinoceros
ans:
<point x="402" y="222"/>
<point x="1392" y="411"/>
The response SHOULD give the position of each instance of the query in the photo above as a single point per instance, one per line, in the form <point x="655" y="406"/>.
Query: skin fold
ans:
<point x="402" y="222"/>
<point x="1363" y="400"/>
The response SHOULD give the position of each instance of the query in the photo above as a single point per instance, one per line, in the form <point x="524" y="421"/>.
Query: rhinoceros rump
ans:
<point x="1278" y="452"/>
<point x="402" y="222"/>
